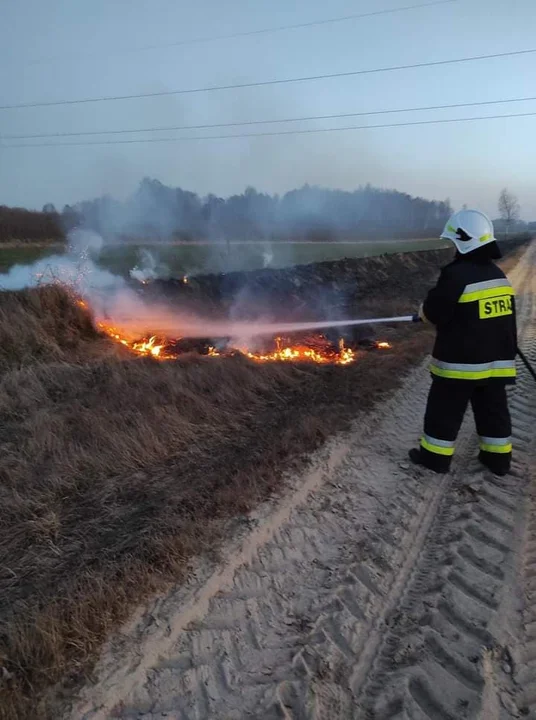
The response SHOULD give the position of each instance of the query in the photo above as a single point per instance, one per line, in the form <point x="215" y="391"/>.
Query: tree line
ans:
<point x="162" y="213"/>
<point x="156" y="212"/>
<point x="21" y="225"/>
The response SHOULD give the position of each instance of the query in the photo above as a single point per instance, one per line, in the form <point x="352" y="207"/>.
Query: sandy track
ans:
<point x="387" y="593"/>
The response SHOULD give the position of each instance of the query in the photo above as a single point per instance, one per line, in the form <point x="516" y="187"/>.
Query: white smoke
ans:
<point x="110" y="297"/>
<point x="148" y="268"/>
<point x="267" y="256"/>
<point x="75" y="268"/>
<point x="114" y="301"/>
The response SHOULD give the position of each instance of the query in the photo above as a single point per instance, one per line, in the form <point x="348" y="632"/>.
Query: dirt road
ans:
<point x="375" y="591"/>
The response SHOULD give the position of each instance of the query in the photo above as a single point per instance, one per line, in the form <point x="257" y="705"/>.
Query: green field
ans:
<point x="25" y="254"/>
<point x="176" y="260"/>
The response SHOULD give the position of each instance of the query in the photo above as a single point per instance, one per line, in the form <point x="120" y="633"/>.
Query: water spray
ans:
<point x="260" y="329"/>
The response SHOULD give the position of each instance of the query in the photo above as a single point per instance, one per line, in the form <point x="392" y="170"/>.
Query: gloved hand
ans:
<point x="420" y="315"/>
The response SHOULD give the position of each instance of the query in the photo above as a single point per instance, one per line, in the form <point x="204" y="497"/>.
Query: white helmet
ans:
<point x="469" y="230"/>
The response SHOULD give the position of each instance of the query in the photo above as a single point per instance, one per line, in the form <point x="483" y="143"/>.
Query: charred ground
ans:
<point x="115" y="472"/>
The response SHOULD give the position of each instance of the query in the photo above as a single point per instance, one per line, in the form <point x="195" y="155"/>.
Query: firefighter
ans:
<point x="473" y="309"/>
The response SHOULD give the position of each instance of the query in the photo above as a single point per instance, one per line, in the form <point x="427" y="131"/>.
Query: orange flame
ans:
<point x="156" y="348"/>
<point x="161" y="349"/>
<point x="150" y="346"/>
<point x="302" y="353"/>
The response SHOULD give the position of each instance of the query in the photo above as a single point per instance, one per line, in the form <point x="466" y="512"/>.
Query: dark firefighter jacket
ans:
<point x="473" y="309"/>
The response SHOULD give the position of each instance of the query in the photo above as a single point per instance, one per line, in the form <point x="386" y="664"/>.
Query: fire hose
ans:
<point x="526" y="363"/>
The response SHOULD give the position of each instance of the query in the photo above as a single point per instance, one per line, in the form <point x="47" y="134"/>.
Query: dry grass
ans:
<point x="42" y="324"/>
<point x="115" y="474"/>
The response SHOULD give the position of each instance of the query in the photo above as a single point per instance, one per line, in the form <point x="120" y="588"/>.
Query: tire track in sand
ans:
<point x="375" y="592"/>
<point x="449" y="654"/>
<point x="525" y="658"/>
<point x="305" y="605"/>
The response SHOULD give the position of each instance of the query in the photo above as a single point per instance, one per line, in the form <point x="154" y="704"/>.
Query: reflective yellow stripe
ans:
<point x="486" y="294"/>
<point x="485" y="237"/>
<point x="437" y="449"/>
<point x="473" y="374"/>
<point x="496" y="448"/>
<point x="451" y="229"/>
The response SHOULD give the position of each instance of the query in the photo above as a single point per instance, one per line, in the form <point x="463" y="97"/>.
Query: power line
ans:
<point x="266" y="122"/>
<point x="264" y="83"/>
<point x="270" y="134"/>
<point x="263" y="31"/>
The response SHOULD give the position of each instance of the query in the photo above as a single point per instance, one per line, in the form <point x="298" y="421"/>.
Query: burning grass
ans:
<point x="316" y="349"/>
<point x="116" y="471"/>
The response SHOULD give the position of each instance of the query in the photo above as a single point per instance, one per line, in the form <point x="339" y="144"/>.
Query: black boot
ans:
<point x="439" y="464"/>
<point x="497" y="463"/>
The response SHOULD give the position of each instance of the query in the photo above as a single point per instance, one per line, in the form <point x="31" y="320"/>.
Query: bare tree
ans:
<point x="508" y="208"/>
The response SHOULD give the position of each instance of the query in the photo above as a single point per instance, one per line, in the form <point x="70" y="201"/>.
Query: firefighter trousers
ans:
<point x="446" y="406"/>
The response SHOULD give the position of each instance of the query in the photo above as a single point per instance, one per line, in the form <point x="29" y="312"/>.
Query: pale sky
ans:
<point x="72" y="49"/>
